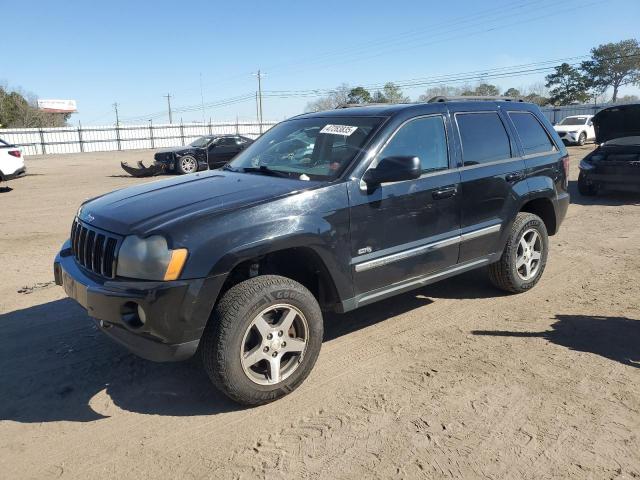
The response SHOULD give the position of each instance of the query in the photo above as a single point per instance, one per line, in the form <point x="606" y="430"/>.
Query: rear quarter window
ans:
<point x="533" y="136"/>
<point x="484" y="138"/>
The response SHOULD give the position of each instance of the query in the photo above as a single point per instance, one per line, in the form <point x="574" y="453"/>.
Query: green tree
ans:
<point x="483" y="90"/>
<point x="512" y="92"/>
<point x="391" y="93"/>
<point x="21" y="110"/>
<point x="359" y="95"/>
<point x="487" y="90"/>
<point x="567" y="85"/>
<point x="613" y="65"/>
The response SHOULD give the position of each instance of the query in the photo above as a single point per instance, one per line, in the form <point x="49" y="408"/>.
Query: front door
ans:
<point x="223" y="150"/>
<point x="406" y="229"/>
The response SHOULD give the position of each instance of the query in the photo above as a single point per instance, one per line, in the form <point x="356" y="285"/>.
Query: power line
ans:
<point x="495" y="73"/>
<point x="488" y="26"/>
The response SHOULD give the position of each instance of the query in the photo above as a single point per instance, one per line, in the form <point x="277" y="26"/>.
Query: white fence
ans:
<point x="41" y="141"/>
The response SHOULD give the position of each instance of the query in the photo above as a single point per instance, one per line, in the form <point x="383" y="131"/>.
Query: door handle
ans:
<point x="514" y="177"/>
<point x="446" y="192"/>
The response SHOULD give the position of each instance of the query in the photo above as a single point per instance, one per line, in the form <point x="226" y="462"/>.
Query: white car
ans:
<point x="11" y="161"/>
<point x="577" y="129"/>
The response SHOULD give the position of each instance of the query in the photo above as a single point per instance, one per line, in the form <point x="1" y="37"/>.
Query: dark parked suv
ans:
<point x="326" y="211"/>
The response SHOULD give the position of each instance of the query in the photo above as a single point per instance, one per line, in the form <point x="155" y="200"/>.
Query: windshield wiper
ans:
<point x="264" y="170"/>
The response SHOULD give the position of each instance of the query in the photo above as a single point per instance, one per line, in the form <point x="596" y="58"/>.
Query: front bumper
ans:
<point x="175" y="312"/>
<point x="621" y="181"/>
<point x="569" y="137"/>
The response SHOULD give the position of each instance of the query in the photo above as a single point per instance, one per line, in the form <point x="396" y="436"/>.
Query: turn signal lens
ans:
<point x="178" y="259"/>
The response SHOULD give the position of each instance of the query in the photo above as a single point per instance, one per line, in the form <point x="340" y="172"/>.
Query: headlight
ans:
<point x="573" y="133"/>
<point x="150" y="259"/>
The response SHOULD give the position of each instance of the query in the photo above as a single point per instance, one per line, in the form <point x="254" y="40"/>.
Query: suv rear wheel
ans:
<point x="524" y="256"/>
<point x="263" y="339"/>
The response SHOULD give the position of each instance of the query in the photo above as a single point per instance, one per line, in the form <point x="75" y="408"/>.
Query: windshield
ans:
<point x="307" y="148"/>
<point x="573" y="121"/>
<point x="201" y="142"/>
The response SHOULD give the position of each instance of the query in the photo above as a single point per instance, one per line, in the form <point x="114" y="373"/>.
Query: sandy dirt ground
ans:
<point x="455" y="380"/>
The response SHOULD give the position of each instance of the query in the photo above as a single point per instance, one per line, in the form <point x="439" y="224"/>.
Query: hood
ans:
<point x="617" y="122"/>
<point x="155" y="205"/>
<point x="176" y="149"/>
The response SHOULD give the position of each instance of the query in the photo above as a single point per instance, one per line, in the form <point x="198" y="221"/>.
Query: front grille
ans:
<point x="94" y="249"/>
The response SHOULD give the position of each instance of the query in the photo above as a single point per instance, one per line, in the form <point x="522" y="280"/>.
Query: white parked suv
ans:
<point x="11" y="161"/>
<point x="577" y="129"/>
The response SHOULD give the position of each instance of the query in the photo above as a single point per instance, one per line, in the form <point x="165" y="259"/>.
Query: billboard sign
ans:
<point x="57" y="106"/>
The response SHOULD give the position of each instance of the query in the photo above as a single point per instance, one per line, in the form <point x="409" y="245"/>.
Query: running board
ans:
<point x="411" y="284"/>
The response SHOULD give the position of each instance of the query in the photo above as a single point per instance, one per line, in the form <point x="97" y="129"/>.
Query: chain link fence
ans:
<point x="43" y="141"/>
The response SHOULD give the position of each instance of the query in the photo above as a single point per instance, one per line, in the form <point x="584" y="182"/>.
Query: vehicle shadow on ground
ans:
<point x="54" y="361"/>
<point x="55" y="365"/>
<point x="607" y="198"/>
<point x="615" y="338"/>
<point x="6" y="189"/>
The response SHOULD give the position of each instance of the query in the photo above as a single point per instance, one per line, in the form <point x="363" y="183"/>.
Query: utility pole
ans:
<point x="168" y="97"/>
<point x="202" y="100"/>
<point x="259" y="75"/>
<point x="115" y="107"/>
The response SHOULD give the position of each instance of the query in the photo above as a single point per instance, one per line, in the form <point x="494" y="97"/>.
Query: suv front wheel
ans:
<point x="524" y="257"/>
<point x="263" y="339"/>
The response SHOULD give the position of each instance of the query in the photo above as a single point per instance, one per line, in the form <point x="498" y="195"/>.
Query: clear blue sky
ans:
<point x="135" y="52"/>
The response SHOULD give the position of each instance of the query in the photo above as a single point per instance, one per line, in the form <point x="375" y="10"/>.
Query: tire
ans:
<point x="584" y="187"/>
<point x="234" y="332"/>
<point x="187" y="164"/>
<point x="582" y="139"/>
<point x="505" y="274"/>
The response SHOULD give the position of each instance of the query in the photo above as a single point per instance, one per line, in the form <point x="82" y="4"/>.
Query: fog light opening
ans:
<point x="133" y="315"/>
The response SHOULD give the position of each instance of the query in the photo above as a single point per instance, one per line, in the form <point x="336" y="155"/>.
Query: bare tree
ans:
<point x="337" y="97"/>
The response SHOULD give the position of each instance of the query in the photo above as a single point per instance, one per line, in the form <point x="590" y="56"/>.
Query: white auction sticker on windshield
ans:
<point x="345" y="130"/>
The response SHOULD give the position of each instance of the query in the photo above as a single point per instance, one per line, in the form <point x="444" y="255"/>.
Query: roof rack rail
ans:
<point x="474" y="98"/>
<point x="351" y="105"/>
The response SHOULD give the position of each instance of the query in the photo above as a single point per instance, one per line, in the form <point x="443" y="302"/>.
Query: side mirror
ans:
<point x="590" y="124"/>
<point x="393" y="169"/>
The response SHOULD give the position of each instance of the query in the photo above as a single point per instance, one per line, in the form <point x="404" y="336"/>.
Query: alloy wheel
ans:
<point x="529" y="254"/>
<point x="188" y="165"/>
<point x="274" y="344"/>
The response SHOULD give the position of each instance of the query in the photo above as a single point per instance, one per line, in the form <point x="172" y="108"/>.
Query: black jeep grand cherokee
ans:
<point x="325" y="211"/>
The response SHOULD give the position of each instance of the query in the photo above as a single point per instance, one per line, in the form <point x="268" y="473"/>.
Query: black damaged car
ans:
<point x="615" y="163"/>
<point x="208" y="152"/>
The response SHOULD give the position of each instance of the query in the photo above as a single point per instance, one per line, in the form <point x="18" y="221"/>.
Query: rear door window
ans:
<point x="484" y="138"/>
<point x="533" y="136"/>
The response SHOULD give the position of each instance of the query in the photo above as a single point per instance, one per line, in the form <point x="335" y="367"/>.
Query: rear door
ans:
<point x="542" y="158"/>
<point x="402" y="230"/>
<point x="492" y="178"/>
